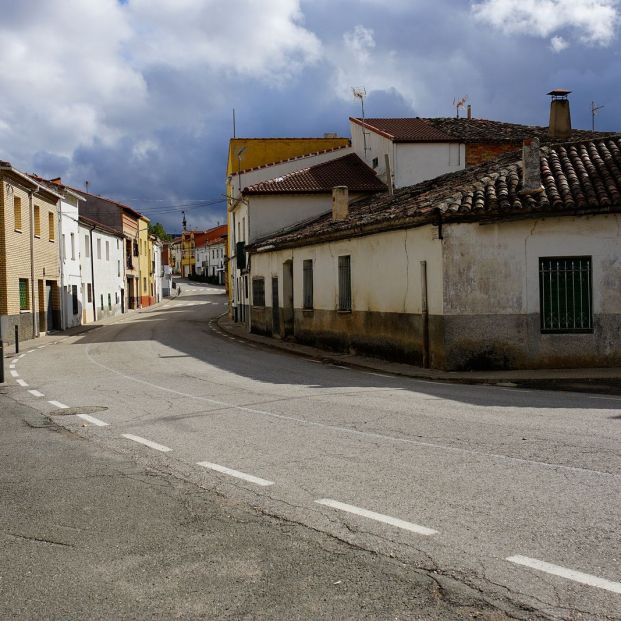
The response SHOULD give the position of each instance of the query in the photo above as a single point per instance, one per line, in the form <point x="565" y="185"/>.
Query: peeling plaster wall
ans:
<point x="386" y="293"/>
<point x="491" y="293"/>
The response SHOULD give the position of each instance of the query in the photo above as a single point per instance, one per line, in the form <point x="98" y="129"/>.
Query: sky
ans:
<point x="136" y="96"/>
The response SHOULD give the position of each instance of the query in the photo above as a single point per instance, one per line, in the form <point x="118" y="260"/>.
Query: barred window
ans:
<point x="565" y="290"/>
<point x="258" y="291"/>
<point x="308" y="283"/>
<point x="24" y="300"/>
<point x="345" y="283"/>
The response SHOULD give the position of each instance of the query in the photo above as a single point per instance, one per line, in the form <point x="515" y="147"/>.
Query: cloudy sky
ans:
<point x="135" y="96"/>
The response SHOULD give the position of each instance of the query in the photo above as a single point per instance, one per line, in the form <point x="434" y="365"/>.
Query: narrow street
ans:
<point x="511" y="496"/>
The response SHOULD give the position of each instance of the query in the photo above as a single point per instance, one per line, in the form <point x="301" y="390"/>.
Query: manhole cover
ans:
<point x="85" y="409"/>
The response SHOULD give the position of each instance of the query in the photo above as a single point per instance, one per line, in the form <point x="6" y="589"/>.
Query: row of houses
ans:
<point x="450" y="243"/>
<point x="68" y="257"/>
<point x="200" y="253"/>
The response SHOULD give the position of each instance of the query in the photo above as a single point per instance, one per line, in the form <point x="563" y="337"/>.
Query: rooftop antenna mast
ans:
<point x="361" y="93"/>
<point x="459" y="103"/>
<point x="234" y="133"/>
<point x="594" y="112"/>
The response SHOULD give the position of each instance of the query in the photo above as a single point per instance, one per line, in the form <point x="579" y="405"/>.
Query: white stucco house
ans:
<point x="419" y="149"/>
<point x="102" y="268"/>
<point x="156" y="260"/>
<point x="514" y="263"/>
<point x="274" y="204"/>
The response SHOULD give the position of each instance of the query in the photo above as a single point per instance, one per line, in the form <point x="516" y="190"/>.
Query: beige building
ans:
<point x="514" y="263"/>
<point x="29" y="255"/>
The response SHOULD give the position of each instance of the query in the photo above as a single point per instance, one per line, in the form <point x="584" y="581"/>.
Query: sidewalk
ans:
<point x="607" y="380"/>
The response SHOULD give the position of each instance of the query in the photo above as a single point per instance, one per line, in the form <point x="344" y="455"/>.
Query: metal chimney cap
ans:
<point x="559" y="93"/>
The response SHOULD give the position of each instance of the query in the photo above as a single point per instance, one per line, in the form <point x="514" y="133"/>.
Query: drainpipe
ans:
<point x="93" y="274"/>
<point x="35" y="322"/>
<point x="424" y="313"/>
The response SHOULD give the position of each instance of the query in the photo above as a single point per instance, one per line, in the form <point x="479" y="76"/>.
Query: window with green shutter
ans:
<point x="565" y="290"/>
<point x="24" y="301"/>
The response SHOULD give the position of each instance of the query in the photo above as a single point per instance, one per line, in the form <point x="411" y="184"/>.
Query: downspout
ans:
<point x="35" y="318"/>
<point x="93" y="274"/>
<point x="424" y="313"/>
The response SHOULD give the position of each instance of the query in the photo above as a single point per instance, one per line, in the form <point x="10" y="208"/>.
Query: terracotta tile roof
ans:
<point x="577" y="178"/>
<point x="462" y="130"/>
<point x="203" y="238"/>
<point x="348" y="170"/>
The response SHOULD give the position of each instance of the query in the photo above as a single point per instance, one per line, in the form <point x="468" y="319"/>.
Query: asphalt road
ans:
<point x="513" y="493"/>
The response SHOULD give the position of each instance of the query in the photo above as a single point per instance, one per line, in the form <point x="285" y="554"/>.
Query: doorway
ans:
<point x="275" y="307"/>
<point x="287" y="298"/>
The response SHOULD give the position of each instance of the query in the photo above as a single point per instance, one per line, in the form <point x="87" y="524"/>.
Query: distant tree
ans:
<point x="159" y="231"/>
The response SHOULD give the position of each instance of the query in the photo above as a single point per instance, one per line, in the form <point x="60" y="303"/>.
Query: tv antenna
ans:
<point x="360" y="93"/>
<point x="459" y="103"/>
<point x="594" y="112"/>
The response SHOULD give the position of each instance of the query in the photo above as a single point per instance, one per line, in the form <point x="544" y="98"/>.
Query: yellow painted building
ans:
<point x="249" y="153"/>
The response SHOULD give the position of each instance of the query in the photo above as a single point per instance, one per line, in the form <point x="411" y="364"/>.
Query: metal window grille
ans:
<point x="258" y="292"/>
<point x="345" y="283"/>
<point x="565" y="289"/>
<point x="308" y="283"/>
<point x="23" y="294"/>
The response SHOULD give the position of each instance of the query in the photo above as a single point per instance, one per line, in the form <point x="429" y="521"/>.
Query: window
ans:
<point x="136" y="253"/>
<point x="144" y="284"/>
<point x="102" y="301"/>
<point x="87" y="246"/>
<point x="37" y="221"/>
<point x="63" y="247"/>
<point x="109" y="301"/>
<point x="308" y="283"/>
<point x="258" y="292"/>
<point x="118" y="268"/>
<point x="565" y="296"/>
<point x="89" y="292"/>
<point x="74" y="297"/>
<point x="345" y="283"/>
<point x="99" y="247"/>
<point x="72" y="247"/>
<point x="375" y="162"/>
<point x="51" y="226"/>
<point x="107" y="250"/>
<point x="17" y="212"/>
<point x="24" y="298"/>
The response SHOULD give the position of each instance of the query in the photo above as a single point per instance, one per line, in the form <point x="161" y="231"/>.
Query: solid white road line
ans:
<point x="36" y="393"/>
<point x="387" y="519"/>
<point x="22" y="383"/>
<point x="14" y="373"/>
<point x="149" y="443"/>
<point x="59" y="405"/>
<point x="92" y="420"/>
<point x="570" y="574"/>
<point x="235" y="473"/>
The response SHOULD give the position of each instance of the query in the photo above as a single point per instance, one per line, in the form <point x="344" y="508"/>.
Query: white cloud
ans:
<point x="558" y="44"/>
<point x="73" y="72"/>
<point x="594" y="21"/>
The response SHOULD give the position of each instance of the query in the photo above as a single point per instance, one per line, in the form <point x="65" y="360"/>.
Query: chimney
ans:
<point x="340" y="202"/>
<point x="469" y="111"/>
<point x="531" y="172"/>
<point x="560" y="118"/>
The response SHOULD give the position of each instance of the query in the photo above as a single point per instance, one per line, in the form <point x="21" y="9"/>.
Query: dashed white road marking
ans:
<point x="12" y="366"/>
<point x="21" y="356"/>
<point x="569" y="574"/>
<point x="41" y="347"/>
<point x="93" y="420"/>
<point x="30" y="351"/>
<point x="379" y="517"/>
<point x="378" y="374"/>
<point x="36" y="393"/>
<point x="236" y="473"/>
<point x="22" y="383"/>
<point x="149" y="443"/>
<point x="14" y="373"/>
<point x="59" y="405"/>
